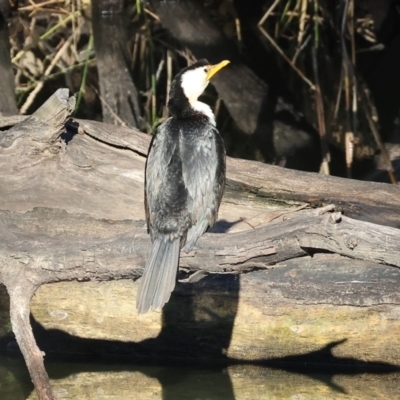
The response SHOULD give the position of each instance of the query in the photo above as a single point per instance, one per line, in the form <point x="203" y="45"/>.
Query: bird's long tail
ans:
<point x="159" y="276"/>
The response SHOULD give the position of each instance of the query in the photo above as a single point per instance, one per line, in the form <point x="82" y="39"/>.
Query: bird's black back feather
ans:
<point x="185" y="177"/>
<point x="166" y="194"/>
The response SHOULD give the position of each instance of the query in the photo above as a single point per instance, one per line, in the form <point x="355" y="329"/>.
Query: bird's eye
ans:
<point x="205" y="69"/>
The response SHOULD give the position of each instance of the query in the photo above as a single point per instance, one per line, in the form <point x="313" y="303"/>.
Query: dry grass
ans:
<point x="302" y="32"/>
<point x="52" y="46"/>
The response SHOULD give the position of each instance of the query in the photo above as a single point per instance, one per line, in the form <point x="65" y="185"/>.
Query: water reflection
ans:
<point x="124" y="381"/>
<point x="197" y="326"/>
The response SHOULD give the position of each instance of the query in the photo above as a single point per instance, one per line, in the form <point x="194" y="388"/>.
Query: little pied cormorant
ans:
<point x="185" y="178"/>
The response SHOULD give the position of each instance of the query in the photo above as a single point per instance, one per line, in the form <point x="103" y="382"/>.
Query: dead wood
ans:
<point x="71" y="209"/>
<point x="46" y="124"/>
<point x="367" y="201"/>
<point x="119" y="249"/>
<point x="21" y="291"/>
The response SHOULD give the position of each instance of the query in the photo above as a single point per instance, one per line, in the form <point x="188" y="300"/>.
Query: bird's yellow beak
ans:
<point x="213" y="69"/>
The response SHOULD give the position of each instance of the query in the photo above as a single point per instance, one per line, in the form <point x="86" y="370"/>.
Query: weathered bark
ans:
<point x="72" y="209"/>
<point x="45" y="126"/>
<point x="367" y="201"/>
<point x="8" y="105"/>
<point x="21" y="291"/>
<point x="119" y="97"/>
<point x="121" y="248"/>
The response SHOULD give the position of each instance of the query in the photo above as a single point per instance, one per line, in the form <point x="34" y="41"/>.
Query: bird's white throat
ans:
<point x="193" y="84"/>
<point x="204" y="109"/>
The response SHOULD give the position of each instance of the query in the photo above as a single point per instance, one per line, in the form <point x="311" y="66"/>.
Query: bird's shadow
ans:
<point x="196" y="332"/>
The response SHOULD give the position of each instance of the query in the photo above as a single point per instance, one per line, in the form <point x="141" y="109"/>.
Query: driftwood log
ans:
<point x="321" y="282"/>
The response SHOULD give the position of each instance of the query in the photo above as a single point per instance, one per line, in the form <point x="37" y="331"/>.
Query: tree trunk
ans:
<point x="119" y="97"/>
<point x="8" y="105"/>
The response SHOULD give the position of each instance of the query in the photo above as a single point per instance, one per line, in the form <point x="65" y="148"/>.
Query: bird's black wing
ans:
<point x="166" y="193"/>
<point x="203" y="170"/>
<point x="158" y="159"/>
<point x="162" y="197"/>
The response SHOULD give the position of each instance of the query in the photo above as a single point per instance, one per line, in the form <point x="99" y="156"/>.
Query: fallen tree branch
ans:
<point x="72" y="209"/>
<point x="21" y="291"/>
<point x="122" y="254"/>
<point x="70" y="255"/>
<point x="368" y="201"/>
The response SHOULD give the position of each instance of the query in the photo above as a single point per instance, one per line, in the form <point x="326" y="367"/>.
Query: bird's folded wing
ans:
<point x="203" y="169"/>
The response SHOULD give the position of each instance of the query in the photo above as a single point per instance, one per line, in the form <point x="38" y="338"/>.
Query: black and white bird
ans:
<point x="185" y="178"/>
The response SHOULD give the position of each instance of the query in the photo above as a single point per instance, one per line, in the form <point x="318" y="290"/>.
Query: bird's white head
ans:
<point x="195" y="78"/>
<point x="188" y="85"/>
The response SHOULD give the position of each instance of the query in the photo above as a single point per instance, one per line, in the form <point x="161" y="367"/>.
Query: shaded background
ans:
<point x="313" y="84"/>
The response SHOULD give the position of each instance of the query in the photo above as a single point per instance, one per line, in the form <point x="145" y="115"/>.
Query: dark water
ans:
<point x="120" y="382"/>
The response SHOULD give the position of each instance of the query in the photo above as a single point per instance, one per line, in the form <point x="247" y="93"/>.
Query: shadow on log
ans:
<point x="72" y="210"/>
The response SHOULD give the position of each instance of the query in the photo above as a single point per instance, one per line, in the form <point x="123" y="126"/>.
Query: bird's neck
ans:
<point x="205" y="109"/>
<point x="180" y="106"/>
<point x="185" y="109"/>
